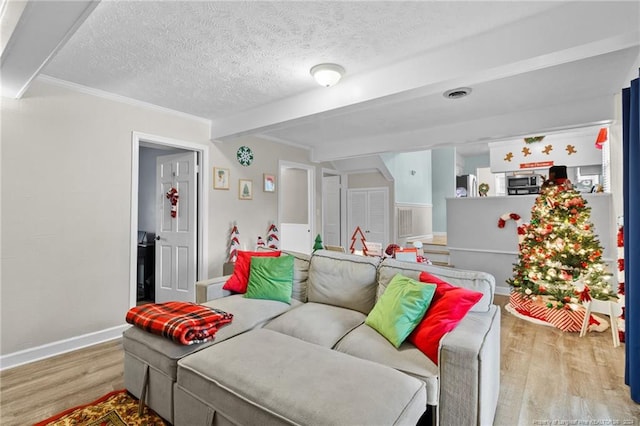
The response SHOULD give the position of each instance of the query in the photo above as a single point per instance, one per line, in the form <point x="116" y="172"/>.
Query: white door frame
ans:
<point x="138" y="138"/>
<point x="311" y="173"/>
<point x="343" y="201"/>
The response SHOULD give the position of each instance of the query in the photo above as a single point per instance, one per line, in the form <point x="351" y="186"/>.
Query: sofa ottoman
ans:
<point x="150" y="361"/>
<point x="268" y="378"/>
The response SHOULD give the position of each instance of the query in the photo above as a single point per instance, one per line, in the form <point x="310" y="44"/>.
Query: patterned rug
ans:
<point x="117" y="408"/>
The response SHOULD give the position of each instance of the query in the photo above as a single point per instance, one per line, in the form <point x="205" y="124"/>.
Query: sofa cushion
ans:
<point x="449" y="305"/>
<point x="317" y="323"/>
<point x="300" y="275"/>
<point x="477" y="281"/>
<point x="343" y="280"/>
<point x="366" y="343"/>
<point x="400" y="308"/>
<point x="266" y="378"/>
<point x="238" y="281"/>
<point x="270" y="278"/>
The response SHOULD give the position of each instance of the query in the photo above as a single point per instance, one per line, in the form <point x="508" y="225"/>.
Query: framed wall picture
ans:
<point x="269" y="184"/>
<point x="245" y="189"/>
<point x="220" y="178"/>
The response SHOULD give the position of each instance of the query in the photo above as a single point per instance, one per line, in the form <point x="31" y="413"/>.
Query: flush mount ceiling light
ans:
<point x="458" y="93"/>
<point x="327" y="75"/>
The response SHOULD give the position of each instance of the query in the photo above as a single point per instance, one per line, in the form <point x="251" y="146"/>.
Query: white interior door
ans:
<point x="296" y="207"/>
<point x="378" y="216"/>
<point x="176" y="245"/>
<point x="369" y="209"/>
<point x="331" y="210"/>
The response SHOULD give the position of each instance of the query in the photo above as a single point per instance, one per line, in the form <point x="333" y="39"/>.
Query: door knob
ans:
<point x="157" y="237"/>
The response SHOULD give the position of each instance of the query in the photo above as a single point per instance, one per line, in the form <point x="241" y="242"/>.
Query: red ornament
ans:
<point x="587" y="227"/>
<point x="620" y="237"/>
<point x="621" y="265"/>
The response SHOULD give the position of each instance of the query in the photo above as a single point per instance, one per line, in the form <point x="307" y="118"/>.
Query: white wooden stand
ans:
<point x="613" y="309"/>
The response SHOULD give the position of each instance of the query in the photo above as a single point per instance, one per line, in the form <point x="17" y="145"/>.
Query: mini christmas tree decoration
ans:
<point x="318" y="243"/>
<point x="363" y="241"/>
<point x="273" y="240"/>
<point x="234" y="244"/>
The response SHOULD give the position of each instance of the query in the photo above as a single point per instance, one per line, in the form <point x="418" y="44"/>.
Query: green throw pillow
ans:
<point x="271" y="278"/>
<point x="400" y="308"/>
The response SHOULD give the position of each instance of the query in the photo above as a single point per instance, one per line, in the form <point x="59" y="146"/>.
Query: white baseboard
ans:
<point x="503" y="291"/>
<point x="418" y="237"/>
<point x="48" y="350"/>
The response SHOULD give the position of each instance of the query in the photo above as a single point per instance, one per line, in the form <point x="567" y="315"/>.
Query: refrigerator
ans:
<point x="466" y="186"/>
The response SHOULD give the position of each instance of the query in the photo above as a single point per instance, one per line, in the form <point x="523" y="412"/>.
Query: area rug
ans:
<point x="117" y="408"/>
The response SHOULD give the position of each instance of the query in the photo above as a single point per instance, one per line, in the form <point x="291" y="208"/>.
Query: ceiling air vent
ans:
<point x="458" y="93"/>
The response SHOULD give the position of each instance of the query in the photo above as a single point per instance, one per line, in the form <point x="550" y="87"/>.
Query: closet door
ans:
<point x="378" y="216"/>
<point x="368" y="209"/>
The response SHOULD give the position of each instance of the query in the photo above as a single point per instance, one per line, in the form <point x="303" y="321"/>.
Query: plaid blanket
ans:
<point x="183" y="322"/>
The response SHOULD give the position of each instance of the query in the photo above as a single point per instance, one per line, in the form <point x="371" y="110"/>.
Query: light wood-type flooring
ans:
<point x="548" y="378"/>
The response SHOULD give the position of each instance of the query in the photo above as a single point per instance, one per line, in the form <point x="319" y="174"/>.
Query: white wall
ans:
<point x="443" y="173"/>
<point x="253" y="217"/>
<point x="66" y="191"/>
<point x="411" y="188"/>
<point x="66" y="188"/>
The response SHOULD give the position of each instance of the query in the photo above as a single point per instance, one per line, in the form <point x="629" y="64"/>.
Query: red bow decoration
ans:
<point x="584" y="295"/>
<point x="172" y="196"/>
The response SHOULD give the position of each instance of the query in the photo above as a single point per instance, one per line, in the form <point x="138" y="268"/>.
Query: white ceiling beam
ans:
<point x="42" y="28"/>
<point x="574" y="31"/>
<point x="585" y="112"/>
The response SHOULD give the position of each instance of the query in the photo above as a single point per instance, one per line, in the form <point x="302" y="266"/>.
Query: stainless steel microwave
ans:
<point x="524" y="184"/>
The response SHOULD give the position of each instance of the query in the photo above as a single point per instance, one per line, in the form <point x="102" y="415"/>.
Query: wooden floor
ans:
<point x="548" y="378"/>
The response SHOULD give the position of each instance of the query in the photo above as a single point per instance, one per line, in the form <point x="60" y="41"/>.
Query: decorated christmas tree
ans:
<point x="560" y="257"/>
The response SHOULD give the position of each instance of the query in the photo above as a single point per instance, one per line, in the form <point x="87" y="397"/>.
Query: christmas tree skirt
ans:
<point x="537" y="312"/>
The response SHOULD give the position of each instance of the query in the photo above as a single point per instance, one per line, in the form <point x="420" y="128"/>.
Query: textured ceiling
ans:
<point x="213" y="59"/>
<point x="534" y="66"/>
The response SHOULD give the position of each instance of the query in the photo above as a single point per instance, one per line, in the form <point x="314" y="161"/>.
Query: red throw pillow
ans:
<point x="449" y="305"/>
<point x="238" y="281"/>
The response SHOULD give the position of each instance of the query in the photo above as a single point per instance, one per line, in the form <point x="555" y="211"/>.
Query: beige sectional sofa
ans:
<point x="315" y="361"/>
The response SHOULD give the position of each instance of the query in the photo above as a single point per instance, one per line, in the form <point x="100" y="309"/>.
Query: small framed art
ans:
<point x="269" y="183"/>
<point x="245" y="189"/>
<point x="220" y="178"/>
